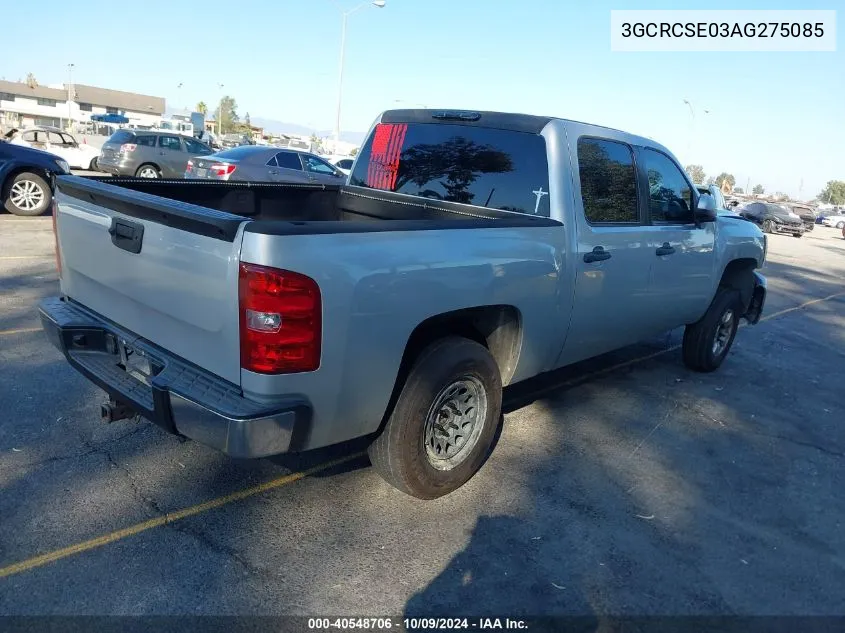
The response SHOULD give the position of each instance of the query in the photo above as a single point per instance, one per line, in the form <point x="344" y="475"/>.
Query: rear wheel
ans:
<point x="28" y="194"/>
<point x="93" y="165"/>
<point x="840" y="225"/>
<point x="708" y="341"/>
<point x="445" y="419"/>
<point x="768" y="226"/>
<point x="148" y="171"/>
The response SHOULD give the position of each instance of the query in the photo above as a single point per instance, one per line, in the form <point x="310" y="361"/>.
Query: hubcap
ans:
<point x="148" y="172"/>
<point x="723" y="332"/>
<point x="454" y="422"/>
<point x="26" y="195"/>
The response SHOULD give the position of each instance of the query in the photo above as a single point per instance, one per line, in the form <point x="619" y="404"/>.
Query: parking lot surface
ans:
<point x="624" y="485"/>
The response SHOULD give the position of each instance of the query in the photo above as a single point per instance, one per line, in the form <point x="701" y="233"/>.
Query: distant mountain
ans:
<point x="281" y="127"/>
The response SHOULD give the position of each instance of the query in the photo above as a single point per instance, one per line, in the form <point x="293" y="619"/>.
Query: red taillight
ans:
<point x="281" y="320"/>
<point x="221" y="169"/>
<point x="56" y="236"/>
<point x="127" y="147"/>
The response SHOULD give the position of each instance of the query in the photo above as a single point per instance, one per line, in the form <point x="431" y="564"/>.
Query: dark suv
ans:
<point x="773" y="218"/>
<point x="149" y="154"/>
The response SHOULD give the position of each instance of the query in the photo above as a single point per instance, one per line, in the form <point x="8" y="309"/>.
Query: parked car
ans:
<point x="261" y="163"/>
<point x="469" y="250"/>
<point x="806" y="213"/>
<point x="26" y="176"/>
<point x="773" y="218"/>
<point x="837" y="220"/>
<point x="228" y="141"/>
<point x="149" y="154"/>
<point x="62" y="144"/>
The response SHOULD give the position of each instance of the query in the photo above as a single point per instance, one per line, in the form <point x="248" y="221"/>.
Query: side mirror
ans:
<point x="706" y="209"/>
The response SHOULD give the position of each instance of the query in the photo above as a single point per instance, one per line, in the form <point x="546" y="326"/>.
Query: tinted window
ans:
<point x="670" y="196"/>
<point x="499" y="169"/>
<point x="239" y="153"/>
<point x="288" y="160"/>
<point x="170" y="142"/>
<point x="196" y="147"/>
<point x="346" y="163"/>
<point x="122" y="136"/>
<point x="312" y="163"/>
<point x="608" y="181"/>
<point x="147" y="140"/>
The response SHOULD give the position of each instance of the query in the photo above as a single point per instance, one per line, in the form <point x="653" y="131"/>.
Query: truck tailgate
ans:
<point x="163" y="269"/>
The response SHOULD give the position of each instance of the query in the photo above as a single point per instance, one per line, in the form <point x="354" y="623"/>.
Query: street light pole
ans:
<point x="376" y="3"/>
<point x="691" y="129"/>
<point x="70" y="92"/>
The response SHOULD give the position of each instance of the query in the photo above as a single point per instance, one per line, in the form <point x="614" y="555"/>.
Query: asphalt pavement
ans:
<point x="624" y="485"/>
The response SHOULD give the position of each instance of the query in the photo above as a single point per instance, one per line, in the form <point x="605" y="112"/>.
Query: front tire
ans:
<point x="443" y="423"/>
<point x="708" y="341"/>
<point x="93" y="165"/>
<point x="28" y="195"/>
<point x="840" y="225"/>
<point x="768" y="226"/>
<point x="796" y="235"/>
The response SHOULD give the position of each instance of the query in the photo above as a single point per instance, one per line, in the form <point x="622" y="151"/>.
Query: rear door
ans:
<point x="320" y="171"/>
<point x="286" y="167"/>
<point x="168" y="273"/>
<point x="172" y="156"/>
<point x="682" y="252"/>
<point x="612" y="305"/>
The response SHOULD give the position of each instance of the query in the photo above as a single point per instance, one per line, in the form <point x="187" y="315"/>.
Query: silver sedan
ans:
<point x="264" y="164"/>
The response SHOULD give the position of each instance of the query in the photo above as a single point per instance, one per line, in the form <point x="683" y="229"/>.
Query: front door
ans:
<point x="682" y="252"/>
<point x="611" y="303"/>
<point x="172" y="158"/>
<point x="320" y="171"/>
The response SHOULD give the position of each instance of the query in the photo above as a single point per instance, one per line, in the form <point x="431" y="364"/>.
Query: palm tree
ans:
<point x="202" y="108"/>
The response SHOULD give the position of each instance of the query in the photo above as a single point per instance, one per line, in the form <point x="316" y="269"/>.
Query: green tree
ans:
<point x="711" y="180"/>
<point x="202" y="108"/>
<point x="834" y="192"/>
<point x="723" y="177"/>
<point x="247" y="123"/>
<point x="696" y="172"/>
<point x="758" y="189"/>
<point x="354" y="151"/>
<point x="738" y="190"/>
<point x="228" y="114"/>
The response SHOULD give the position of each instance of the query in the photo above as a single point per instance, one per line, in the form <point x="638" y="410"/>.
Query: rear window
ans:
<point x="485" y="167"/>
<point x="122" y="136"/>
<point x="238" y="153"/>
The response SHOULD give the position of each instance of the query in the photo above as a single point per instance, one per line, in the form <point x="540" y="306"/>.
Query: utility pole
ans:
<point x="70" y="96"/>
<point x="219" y="111"/>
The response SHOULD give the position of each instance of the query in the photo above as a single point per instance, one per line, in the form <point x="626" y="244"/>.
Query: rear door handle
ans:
<point x="598" y="254"/>
<point x="666" y="249"/>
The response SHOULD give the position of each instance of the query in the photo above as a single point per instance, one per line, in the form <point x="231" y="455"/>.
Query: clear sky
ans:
<point x="775" y="118"/>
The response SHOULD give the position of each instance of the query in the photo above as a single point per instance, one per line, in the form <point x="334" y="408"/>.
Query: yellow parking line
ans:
<point x="9" y="257"/>
<point x="25" y="330"/>
<point x="170" y="517"/>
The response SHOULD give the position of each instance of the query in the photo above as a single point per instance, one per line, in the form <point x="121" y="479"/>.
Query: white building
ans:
<point x="23" y="105"/>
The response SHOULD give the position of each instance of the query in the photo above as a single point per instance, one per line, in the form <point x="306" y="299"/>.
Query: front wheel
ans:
<point x="796" y="235"/>
<point x="27" y="195"/>
<point x="93" y="165"/>
<point x="768" y="226"/>
<point x="840" y="225"/>
<point x="443" y="423"/>
<point x="708" y="341"/>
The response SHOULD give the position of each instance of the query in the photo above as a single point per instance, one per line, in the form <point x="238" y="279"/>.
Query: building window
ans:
<point x="47" y="102"/>
<point x="85" y="107"/>
<point x="46" y="122"/>
<point x="7" y="96"/>
<point x="110" y="110"/>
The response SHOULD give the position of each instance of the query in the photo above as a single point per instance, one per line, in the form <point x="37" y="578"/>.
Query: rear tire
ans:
<point x="147" y="171"/>
<point x="28" y="194"/>
<point x="840" y="225"/>
<point x="708" y="341"/>
<point x="93" y="165"/>
<point x="443" y="423"/>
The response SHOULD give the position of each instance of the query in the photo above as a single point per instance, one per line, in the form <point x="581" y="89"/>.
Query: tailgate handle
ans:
<point x="127" y="235"/>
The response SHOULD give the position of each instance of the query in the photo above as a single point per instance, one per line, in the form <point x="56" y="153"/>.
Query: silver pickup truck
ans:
<point x="467" y="251"/>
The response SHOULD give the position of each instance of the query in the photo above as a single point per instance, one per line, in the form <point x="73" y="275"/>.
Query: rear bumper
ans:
<point x="758" y="300"/>
<point x="179" y="397"/>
